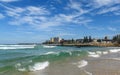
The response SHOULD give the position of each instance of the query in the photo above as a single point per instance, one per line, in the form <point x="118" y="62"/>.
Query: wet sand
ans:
<point x="105" y="65"/>
<point x="108" y="64"/>
<point x="65" y="67"/>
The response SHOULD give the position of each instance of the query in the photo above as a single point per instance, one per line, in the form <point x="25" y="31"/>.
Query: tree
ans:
<point x="116" y="39"/>
<point x="86" y="40"/>
<point x="90" y="39"/>
<point x="99" y="40"/>
<point x="72" y="40"/>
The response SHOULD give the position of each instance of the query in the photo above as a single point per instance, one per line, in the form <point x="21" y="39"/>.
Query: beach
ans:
<point x="58" y="60"/>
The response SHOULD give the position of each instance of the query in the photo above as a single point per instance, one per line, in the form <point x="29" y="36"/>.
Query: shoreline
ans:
<point x="105" y="65"/>
<point x="66" y="61"/>
<point x="85" y="45"/>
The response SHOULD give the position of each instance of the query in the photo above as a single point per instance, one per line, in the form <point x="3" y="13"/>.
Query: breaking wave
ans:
<point x="35" y="67"/>
<point x="97" y="54"/>
<point x="46" y="46"/>
<point x="4" y="47"/>
<point x="114" y="50"/>
<point x="39" y="66"/>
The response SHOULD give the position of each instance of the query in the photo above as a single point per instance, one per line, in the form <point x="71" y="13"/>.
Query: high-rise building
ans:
<point x="55" y="40"/>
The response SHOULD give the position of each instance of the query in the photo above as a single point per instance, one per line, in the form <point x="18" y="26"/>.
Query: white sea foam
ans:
<point x="39" y="66"/>
<point x="70" y="52"/>
<point x="93" y="54"/>
<point x="98" y="52"/>
<point x="114" y="50"/>
<point x="105" y="52"/>
<point x="19" y="68"/>
<point x="50" y="53"/>
<point x="16" y="46"/>
<point x="88" y="72"/>
<point x="46" y="46"/>
<point x="22" y="69"/>
<point x="17" y="65"/>
<point x="81" y="63"/>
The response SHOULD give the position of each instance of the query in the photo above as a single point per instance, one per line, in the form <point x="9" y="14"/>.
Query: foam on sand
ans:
<point x="81" y="63"/>
<point x="39" y="66"/>
<point x="88" y="72"/>
<point x="118" y="59"/>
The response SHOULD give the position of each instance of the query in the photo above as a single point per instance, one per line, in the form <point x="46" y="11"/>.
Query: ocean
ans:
<point x="58" y="60"/>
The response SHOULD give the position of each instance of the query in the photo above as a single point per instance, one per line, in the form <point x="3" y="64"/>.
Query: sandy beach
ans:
<point x="105" y="65"/>
<point x="108" y="64"/>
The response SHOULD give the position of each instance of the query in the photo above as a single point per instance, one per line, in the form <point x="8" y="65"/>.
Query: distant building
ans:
<point x="52" y="40"/>
<point x="55" y="40"/>
<point x="106" y="40"/>
<point x="95" y="40"/>
<point x="79" y="41"/>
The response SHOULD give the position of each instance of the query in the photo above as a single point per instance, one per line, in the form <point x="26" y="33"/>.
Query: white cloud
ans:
<point x="117" y="13"/>
<point x="112" y="29"/>
<point x="65" y="34"/>
<point x="106" y="10"/>
<point x="77" y="6"/>
<point x="74" y="5"/>
<point x="30" y="10"/>
<point x="98" y="7"/>
<point x="105" y="2"/>
<point x="8" y="0"/>
<point x="1" y="16"/>
<point x="37" y="10"/>
<point x="94" y="27"/>
<point x="40" y="18"/>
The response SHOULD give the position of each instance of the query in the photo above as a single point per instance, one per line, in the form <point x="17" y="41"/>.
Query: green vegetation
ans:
<point x="116" y="39"/>
<point x="86" y="41"/>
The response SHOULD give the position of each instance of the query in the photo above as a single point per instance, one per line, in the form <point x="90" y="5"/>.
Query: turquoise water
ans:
<point x="15" y="59"/>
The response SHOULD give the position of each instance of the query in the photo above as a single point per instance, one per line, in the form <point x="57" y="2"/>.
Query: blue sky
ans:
<point x="38" y="20"/>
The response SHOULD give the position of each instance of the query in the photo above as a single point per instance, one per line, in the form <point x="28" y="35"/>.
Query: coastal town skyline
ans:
<point x="36" y="21"/>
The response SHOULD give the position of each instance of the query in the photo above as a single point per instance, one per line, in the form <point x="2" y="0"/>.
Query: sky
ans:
<point x="23" y="21"/>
